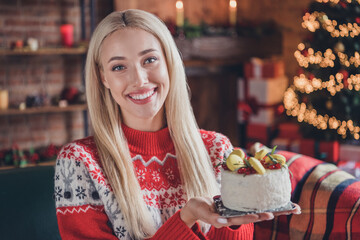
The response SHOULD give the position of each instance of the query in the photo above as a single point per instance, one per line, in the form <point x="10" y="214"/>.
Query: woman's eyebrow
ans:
<point x="146" y="51"/>
<point x="116" y="58"/>
<point x="140" y="54"/>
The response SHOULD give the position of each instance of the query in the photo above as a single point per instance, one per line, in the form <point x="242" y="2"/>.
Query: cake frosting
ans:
<point x="257" y="183"/>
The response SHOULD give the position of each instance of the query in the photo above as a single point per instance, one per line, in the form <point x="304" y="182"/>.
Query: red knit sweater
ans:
<point x="86" y="206"/>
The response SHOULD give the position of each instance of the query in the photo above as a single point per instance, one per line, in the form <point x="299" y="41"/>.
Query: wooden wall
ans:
<point x="209" y="11"/>
<point x="286" y="13"/>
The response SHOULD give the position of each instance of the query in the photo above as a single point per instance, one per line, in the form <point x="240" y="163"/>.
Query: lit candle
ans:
<point x="232" y="12"/>
<point x="4" y="99"/>
<point x="179" y="14"/>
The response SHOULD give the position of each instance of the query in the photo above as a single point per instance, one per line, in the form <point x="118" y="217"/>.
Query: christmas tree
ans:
<point x="325" y="95"/>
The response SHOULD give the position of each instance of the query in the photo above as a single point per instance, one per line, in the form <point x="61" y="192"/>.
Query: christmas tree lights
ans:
<point x="314" y="20"/>
<point x="325" y="96"/>
<point x="337" y="1"/>
<point x="305" y="57"/>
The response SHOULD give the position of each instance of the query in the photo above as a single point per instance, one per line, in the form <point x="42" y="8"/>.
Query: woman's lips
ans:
<point x="143" y="96"/>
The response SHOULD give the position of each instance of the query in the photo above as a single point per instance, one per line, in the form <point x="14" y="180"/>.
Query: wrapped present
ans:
<point x="349" y="152"/>
<point x="263" y="116"/>
<point x="287" y="144"/>
<point x="264" y="68"/>
<point x="324" y="150"/>
<point x="289" y="130"/>
<point x="258" y="100"/>
<point x="259" y="133"/>
<point x="265" y="92"/>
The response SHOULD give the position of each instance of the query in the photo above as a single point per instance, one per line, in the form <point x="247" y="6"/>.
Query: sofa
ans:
<point x="329" y="198"/>
<point x="27" y="207"/>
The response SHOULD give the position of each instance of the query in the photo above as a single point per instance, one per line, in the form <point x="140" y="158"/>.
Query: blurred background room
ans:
<point x="282" y="73"/>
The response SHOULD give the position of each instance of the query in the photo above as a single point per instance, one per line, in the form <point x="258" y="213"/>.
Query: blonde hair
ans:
<point x="194" y="163"/>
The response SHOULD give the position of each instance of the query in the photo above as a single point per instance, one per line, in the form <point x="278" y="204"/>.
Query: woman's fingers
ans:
<point x="204" y="209"/>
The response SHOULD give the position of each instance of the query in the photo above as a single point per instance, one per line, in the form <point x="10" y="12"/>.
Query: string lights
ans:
<point x="325" y="59"/>
<point x="312" y="57"/>
<point x="337" y="1"/>
<point x="313" y="20"/>
<point x="334" y="84"/>
<point x="309" y="115"/>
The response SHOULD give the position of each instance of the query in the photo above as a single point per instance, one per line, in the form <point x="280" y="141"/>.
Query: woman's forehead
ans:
<point x="129" y="41"/>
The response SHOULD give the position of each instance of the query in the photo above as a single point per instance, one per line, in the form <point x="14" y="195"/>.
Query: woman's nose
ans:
<point x="140" y="76"/>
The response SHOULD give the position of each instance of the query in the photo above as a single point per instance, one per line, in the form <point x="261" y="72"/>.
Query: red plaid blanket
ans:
<point x="329" y="199"/>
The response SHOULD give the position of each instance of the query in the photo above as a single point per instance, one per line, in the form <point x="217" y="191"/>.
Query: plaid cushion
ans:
<point x="329" y="199"/>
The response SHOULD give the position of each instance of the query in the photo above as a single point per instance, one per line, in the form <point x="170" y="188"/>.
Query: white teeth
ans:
<point x="142" y="96"/>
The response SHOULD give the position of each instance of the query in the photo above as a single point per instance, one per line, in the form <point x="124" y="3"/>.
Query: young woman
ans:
<point x="148" y="171"/>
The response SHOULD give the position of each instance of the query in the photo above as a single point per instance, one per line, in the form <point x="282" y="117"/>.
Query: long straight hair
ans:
<point x="195" y="167"/>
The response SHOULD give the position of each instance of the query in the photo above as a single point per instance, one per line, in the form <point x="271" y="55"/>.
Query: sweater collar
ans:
<point x="148" y="143"/>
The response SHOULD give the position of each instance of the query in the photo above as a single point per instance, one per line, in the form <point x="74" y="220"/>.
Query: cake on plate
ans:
<point x="259" y="183"/>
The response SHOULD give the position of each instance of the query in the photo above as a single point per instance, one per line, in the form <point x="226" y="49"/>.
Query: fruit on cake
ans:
<point x="257" y="183"/>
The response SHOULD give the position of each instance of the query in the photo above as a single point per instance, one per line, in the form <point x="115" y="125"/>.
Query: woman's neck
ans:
<point x="147" y="125"/>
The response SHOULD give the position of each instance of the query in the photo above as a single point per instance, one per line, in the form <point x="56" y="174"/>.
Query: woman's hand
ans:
<point x="201" y="208"/>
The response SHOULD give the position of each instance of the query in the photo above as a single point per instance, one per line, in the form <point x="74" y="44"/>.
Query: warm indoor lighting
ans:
<point x="179" y="13"/>
<point x="309" y="115"/>
<point x="313" y="20"/>
<point x="232" y="12"/>
<point x="337" y="1"/>
<point x="179" y="5"/>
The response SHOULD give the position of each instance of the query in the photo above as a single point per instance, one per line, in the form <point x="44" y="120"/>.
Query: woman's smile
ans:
<point x="135" y="71"/>
<point x="142" y="97"/>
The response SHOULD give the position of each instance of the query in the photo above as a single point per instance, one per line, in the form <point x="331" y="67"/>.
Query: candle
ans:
<point x="4" y="99"/>
<point x="179" y="14"/>
<point x="67" y="35"/>
<point x="232" y="12"/>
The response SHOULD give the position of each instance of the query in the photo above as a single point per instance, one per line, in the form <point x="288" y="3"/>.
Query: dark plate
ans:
<point x="226" y="212"/>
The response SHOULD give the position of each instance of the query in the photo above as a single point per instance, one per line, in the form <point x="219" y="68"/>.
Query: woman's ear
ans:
<point x="103" y="79"/>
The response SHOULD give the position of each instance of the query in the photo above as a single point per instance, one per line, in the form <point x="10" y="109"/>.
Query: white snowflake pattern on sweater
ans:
<point x="80" y="183"/>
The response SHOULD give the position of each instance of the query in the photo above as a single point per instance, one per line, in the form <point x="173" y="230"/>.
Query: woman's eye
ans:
<point x="118" y="68"/>
<point x="150" y="60"/>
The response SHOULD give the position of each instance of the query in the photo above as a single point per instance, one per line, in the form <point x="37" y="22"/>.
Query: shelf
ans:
<point x="44" y="51"/>
<point x="48" y="109"/>
<point x="212" y="62"/>
<point x="49" y="163"/>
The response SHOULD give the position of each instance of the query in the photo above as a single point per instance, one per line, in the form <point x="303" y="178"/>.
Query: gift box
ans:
<point x="264" y="68"/>
<point x="286" y="144"/>
<point x="258" y="99"/>
<point x="263" y="91"/>
<point x="259" y="133"/>
<point x="289" y="130"/>
<point x="263" y="116"/>
<point x="349" y="152"/>
<point x="323" y="150"/>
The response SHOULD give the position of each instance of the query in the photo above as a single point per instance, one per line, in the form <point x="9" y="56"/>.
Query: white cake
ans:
<point x="254" y="191"/>
<point x="258" y="183"/>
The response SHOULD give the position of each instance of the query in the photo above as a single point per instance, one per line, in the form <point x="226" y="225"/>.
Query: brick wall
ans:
<point x="28" y="75"/>
<point x="45" y="74"/>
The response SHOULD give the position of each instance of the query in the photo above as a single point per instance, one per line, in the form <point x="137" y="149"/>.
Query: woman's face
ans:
<point x="134" y="69"/>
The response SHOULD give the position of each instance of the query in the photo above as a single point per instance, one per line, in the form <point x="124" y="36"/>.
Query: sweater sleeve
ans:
<point x="84" y="222"/>
<point x="245" y="231"/>
<point x="80" y="212"/>
<point x="174" y="228"/>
